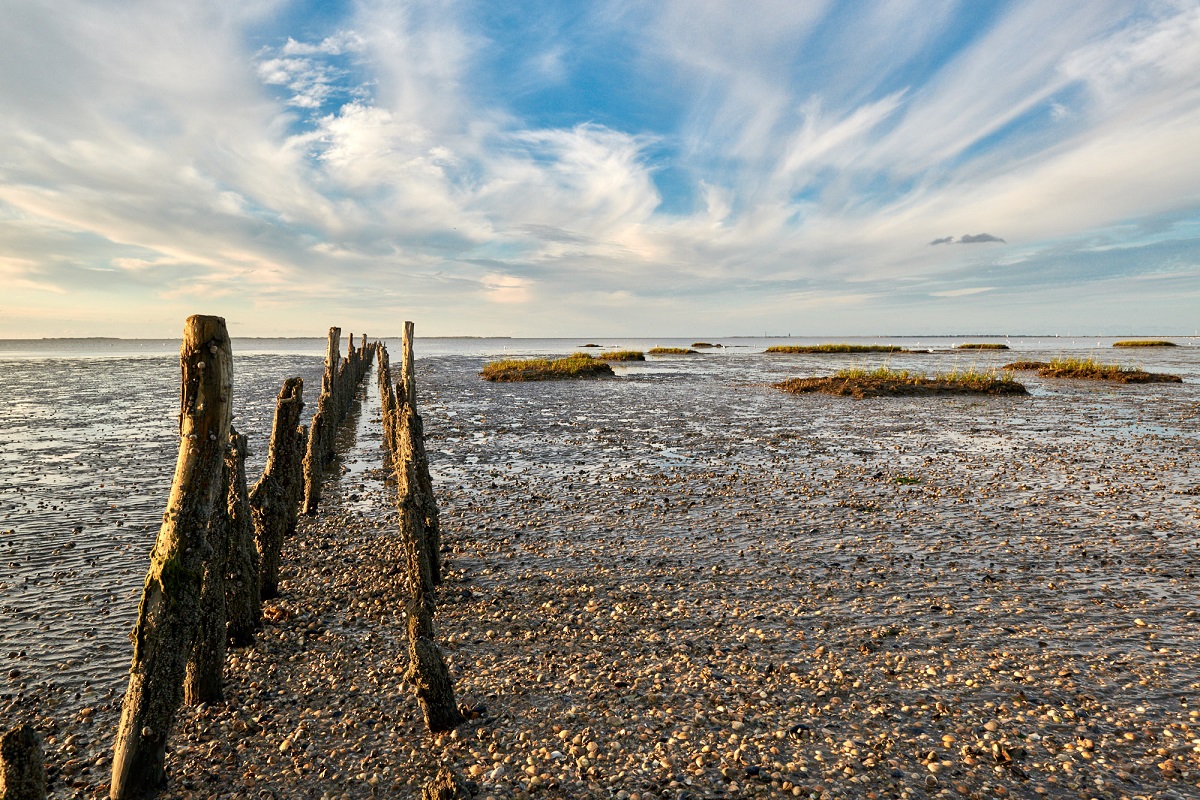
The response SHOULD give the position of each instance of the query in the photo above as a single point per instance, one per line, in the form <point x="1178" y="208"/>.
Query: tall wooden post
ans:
<point x="408" y="367"/>
<point x="22" y="769"/>
<point x="204" y="678"/>
<point x="168" y="615"/>
<point x="275" y="498"/>
<point x="243" y="609"/>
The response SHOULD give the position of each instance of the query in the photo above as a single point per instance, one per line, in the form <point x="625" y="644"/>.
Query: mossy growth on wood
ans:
<point x="982" y="346"/>
<point x="576" y="365"/>
<point x="1144" y="343"/>
<point x="671" y="351"/>
<point x="836" y="347"/>
<point x="622" y="355"/>
<point x="885" y="382"/>
<point x="1089" y="369"/>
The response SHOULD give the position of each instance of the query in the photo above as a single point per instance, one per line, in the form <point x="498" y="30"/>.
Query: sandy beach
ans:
<point x="758" y="595"/>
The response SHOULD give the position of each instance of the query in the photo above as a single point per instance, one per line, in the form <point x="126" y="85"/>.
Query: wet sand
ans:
<point x="757" y="595"/>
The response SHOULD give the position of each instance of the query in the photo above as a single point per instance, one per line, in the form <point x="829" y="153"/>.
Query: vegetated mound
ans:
<point x="982" y="346"/>
<point x="621" y="355"/>
<point x="839" y="348"/>
<point x="1144" y="343"/>
<point x="705" y="344"/>
<point x="671" y="351"/>
<point x="885" y="382"/>
<point x="576" y="365"/>
<point x="589" y="344"/>
<point x="1091" y="370"/>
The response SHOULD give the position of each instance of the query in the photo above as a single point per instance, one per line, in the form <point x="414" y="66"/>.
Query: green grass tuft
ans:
<point x="704" y="344"/>
<point x="622" y="355"/>
<point x="671" y="351"/>
<point x="1144" y="343"/>
<point x="1092" y="370"/>
<point x="576" y="365"/>
<point x="887" y="382"/>
<point x="982" y="346"/>
<point x="835" y="348"/>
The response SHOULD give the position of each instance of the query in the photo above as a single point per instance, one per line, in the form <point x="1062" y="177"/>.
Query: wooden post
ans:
<point x="333" y="355"/>
<point x="22" y="770"/>
<point x="203" y="680"/>
<point x="413" y="434"/>
<point x="408" y="367"/>
<point x="412" y="529"/>
<point x="295" y="482"/>
<point x="275" y="498"/>
<point x="168" y="614"/>
<point x="243" y="589"/>
<point x="445" y="785"/>
<point x="425" y="499"/>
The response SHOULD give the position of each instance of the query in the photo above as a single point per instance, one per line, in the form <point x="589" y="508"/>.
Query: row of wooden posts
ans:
<point x="218" y="551"/>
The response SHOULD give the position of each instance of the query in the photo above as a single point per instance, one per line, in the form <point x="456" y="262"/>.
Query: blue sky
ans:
<point x="675" y="167"/>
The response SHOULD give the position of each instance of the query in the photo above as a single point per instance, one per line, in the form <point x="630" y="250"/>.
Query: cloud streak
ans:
<point x="177" y="156"/>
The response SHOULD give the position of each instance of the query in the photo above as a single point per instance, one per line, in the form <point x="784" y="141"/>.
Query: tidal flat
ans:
<point x="684" y="583"/>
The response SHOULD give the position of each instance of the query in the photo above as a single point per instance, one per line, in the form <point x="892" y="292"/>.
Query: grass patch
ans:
<point x="906" y="480"/>
<point x="671" y="351"/>
<point x="1144" y="343"/>
<point x="622" y="355"/>
<point x="576" y="365"/>
<point x="982" y="346"/>
<point x="836" y="348"/>
<point x="1025" y="365"/>
<point x="704" y="344"/>
<point x="589" y="344"/>
<point x="1091" y="370"/>
<point x="885" y="382"/>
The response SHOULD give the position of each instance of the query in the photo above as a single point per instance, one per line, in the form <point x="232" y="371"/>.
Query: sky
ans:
<point x="612" y="167"/>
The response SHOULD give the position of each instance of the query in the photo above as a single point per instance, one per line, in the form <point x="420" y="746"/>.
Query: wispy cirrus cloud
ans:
<point x="468" y="161"/>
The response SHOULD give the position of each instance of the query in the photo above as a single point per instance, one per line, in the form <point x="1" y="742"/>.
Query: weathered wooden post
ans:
<point x="203" y="680"/>
<point x="275" y="498"/>
<point x="408" y="366"/>
<point x="445" y="785"/>
<point x="414" y="439"/>
<point x="243" y="609"/>
<point x="323" y="426"/>
<point x="22" y="769"/>
<point x="168" y="614"/>
<point x="427" y="668"/>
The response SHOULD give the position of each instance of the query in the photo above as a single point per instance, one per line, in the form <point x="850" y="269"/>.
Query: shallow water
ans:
<point x="88" y="444"/>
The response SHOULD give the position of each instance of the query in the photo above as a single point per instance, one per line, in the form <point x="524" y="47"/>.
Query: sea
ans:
<point x="89" y="437"/>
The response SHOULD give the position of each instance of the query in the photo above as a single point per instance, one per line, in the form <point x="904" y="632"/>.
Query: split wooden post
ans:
<point x="275" y="498"/>
<point x="243" y="609"/>
<point x="22" y="769"/>
<point x="168" y="613"/>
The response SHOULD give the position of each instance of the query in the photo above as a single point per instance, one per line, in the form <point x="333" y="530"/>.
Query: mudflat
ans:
<point x="674" y="587"/>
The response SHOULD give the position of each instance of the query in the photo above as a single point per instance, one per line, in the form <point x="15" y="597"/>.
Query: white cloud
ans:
<point x="152" y="147"/>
